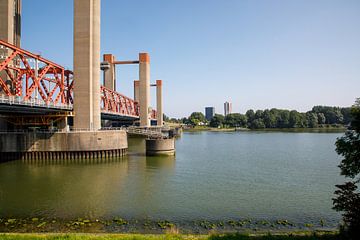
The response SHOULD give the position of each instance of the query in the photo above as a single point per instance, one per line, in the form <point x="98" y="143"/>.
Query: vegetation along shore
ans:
<point x="319" y="117"/>
<point x="170" y="236"/>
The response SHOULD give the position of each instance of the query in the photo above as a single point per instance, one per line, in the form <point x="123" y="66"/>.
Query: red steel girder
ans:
<point x="117" y="103"/>
<point x="51" y="81"/>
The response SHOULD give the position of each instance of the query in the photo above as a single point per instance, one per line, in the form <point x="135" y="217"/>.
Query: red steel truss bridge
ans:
<point x="34" y="86"/>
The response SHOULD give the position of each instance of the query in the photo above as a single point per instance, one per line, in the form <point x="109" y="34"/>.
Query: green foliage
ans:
<point x="348" y="198"/>
<point x="217" y="121"/>
<point x="294" y="119"/>
<point x="236" y="120"/>
<point x="250" y="115"/>
<point x="274" y="118"/>
<point x="321" y="118"/>
<point x="257" y="124"/>
<point x="269" y="119"/>
<point x="333" y="115"/>
<point x="228" y="236"/>
<point x="166" y="118"/>
<point x="279" y="118"/>
<point x="196" y="118"/>
<point x="312" y="119"/>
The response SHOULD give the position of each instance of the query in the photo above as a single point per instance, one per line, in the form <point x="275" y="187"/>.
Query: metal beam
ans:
<point x="125" y="62"/>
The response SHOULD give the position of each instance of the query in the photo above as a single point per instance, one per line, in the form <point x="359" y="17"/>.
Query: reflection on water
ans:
<point x="78" y="187"/>
<point x="213" y="176"/>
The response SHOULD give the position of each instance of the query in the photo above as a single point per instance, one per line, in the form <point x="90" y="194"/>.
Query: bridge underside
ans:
<point x="28" y="109"/>
<point x="117" y="120"/>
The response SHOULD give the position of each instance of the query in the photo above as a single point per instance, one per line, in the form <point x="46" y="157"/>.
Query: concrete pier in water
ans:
<point x="156" y="147"/>
<point x="63" y="145"/>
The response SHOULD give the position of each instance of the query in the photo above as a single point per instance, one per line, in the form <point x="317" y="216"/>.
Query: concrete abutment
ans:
<point x="63" y="145"/>
<point x="156" y="147"/>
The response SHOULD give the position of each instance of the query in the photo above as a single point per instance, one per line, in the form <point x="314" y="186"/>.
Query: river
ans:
<point x="214" y="175"/>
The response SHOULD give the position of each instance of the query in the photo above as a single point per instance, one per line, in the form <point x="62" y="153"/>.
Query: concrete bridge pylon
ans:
<point x="110" y="72"/>
<point x="144" y="89"/>
<point x="10" y="21"/>
<point x="87" y="64"/>
<point x="159" y="103"/>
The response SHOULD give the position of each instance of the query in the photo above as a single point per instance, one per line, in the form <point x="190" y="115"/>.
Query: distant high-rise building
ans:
<point x="209" y="113"/>
<point x="227" y="108"/>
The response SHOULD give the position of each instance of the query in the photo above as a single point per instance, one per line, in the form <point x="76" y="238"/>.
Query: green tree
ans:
<point x="346" y="112"/>
<point x="269" y="118"/>
<point x="335" y="116"/>
<point x="294" y="119"/>
<point x="235" y="120"/>
<point x="348" y="197"/>
<point x="250" y="115"/>
<point x="257" y="124"/>
<point x="303" y="121"/>
<point x="312" y="120"/>
<point x="196" y="118"/>
<point x="332" y="115"/>
<point x="259" y="114"/>
<point x="184" y="120"/>
<point x="217" y="120"/>
<point x="321" y="118"/>
<point x="283" y="119"/>
<point x="165" y="118"/>
<point x="174" y="120"/>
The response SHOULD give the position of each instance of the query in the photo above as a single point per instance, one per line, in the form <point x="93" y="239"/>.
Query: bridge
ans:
<point x="43" y="91"/>
<point x="49" y="111"/>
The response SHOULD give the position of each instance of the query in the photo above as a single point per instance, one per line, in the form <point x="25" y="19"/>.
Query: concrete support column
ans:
<point x="87" y="64"/>
<point x="10" y="30"/>
<point x="136" y="90"/>
<point x="110" y="74"/>
<point x="159" y="103"/>
<point x="96" y="64"/>
<point x="144" y="89"/>
<point x="17" y="22"/>
<point x="7" y="9"/>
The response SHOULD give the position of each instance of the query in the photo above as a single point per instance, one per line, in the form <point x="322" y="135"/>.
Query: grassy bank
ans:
<point x="233" y="236"/>
<point x="205" y="128"/>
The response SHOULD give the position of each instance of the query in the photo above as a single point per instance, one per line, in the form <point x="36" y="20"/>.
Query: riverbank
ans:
<point x="148" y="226"/>
<point x="169" y="236"/>
<point x="310" y="130"/>
<point x="210" y="129"/>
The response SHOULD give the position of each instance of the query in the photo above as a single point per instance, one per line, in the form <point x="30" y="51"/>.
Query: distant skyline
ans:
<point x="256" y="54"/>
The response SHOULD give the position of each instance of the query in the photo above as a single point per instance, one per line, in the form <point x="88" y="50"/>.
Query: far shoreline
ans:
<point x="295" y="130"/>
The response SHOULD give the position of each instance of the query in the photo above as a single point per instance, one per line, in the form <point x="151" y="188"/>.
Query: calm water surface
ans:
<point x="260" y="175"/>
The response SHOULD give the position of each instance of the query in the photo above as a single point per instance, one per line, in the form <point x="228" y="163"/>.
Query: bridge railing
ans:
<point x="16" y="100"/>
<point x="73" y="130"/>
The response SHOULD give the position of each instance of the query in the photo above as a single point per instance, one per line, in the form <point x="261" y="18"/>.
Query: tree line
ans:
<point x="274" y="118"/>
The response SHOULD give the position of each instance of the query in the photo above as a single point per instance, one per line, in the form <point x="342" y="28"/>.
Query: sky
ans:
<point x="257" y="54"/>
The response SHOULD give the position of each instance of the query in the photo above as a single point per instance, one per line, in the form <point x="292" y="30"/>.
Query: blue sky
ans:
<point x="257" y="54"/>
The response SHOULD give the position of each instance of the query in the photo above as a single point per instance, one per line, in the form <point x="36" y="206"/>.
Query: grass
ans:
<point x="206" y="128"/>
<point x="234" y="236"/>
